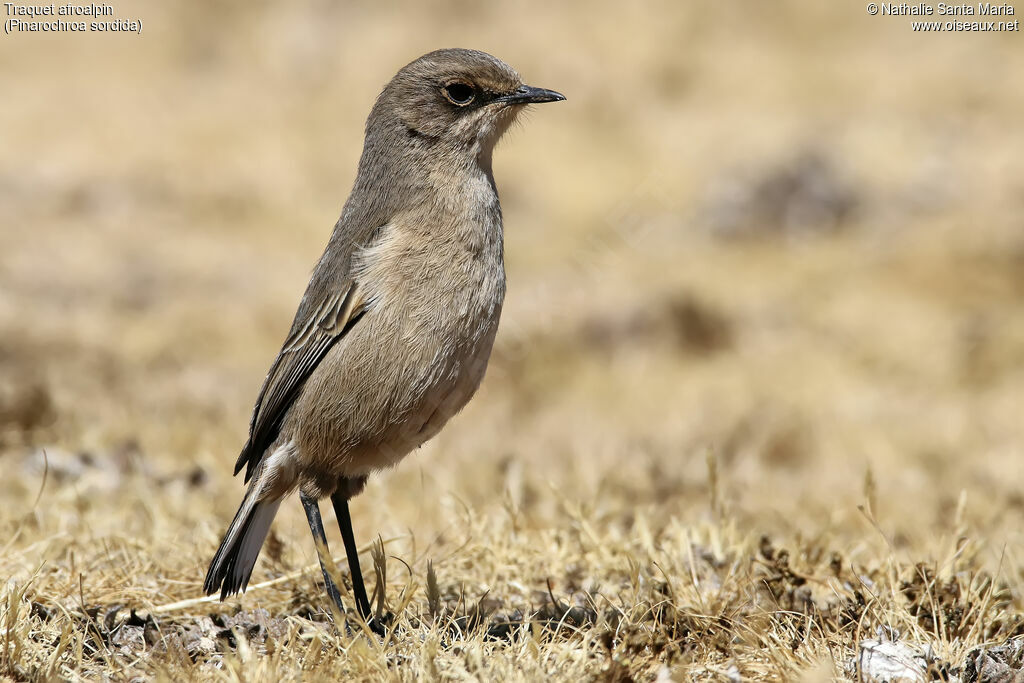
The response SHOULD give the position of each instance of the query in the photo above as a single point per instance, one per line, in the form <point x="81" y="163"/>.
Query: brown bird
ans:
<point x="393" y="334"/>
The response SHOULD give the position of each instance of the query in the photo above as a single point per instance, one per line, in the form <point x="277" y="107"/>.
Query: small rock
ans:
<point x="885" y="659"/>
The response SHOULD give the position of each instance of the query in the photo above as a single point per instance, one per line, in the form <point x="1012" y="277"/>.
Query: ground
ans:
<point x="756" y="397"/>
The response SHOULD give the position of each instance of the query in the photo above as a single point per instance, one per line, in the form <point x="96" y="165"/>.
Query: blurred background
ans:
<point x="783" y="238"/>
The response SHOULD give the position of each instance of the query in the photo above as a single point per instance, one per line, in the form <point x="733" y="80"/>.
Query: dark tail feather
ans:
<point x="232" y="565"/>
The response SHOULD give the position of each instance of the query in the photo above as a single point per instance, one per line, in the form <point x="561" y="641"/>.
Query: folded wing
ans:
<point x="305" y="347"/>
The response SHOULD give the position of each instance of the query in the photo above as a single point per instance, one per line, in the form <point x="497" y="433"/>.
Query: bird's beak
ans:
<point x="526" y="94"/>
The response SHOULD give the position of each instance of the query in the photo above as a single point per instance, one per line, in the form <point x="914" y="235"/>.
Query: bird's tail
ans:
<point x="232" y="565"/>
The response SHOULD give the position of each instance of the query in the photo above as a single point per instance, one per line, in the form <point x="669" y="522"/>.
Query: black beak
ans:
<point x="526" y="94"/>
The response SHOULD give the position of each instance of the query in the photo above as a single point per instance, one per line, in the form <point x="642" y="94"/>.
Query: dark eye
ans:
<point x="459" y="94"/>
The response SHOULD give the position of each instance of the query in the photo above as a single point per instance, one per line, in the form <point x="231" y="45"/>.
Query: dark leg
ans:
<point x="340" y="501"/>
<point x="316" y="526"/>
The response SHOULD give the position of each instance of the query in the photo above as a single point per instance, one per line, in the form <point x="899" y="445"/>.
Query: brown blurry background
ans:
<point x="784" y="238"/>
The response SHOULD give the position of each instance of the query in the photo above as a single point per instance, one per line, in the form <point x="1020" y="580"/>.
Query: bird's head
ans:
<point x="457" y="99"/>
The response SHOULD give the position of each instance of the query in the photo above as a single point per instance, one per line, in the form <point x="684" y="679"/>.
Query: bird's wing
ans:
<point x="311" y="337"/>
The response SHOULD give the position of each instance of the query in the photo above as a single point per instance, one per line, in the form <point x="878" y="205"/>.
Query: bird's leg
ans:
<point x="347" y="488"/>
<point x="316" y="526"/>
<point x="340" y="501"/>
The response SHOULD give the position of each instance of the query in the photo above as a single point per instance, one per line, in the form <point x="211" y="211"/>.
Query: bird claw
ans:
<point x="379" y="624"/>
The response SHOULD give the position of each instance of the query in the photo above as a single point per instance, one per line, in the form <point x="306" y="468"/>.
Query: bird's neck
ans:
<point x="400" y="169"/>
<point x="450" y="194"/>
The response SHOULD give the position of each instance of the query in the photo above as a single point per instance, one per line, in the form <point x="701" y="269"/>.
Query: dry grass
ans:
<point x="757" y="392"/>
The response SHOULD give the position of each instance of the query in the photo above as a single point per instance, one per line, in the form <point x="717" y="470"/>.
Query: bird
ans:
<point x="394" y="331"/>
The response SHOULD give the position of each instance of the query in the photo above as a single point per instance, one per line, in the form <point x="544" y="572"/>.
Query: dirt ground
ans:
<point x="756" y="398"/>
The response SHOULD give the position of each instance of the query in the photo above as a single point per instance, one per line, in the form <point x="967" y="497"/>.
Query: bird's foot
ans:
<point x="380" y="624"/>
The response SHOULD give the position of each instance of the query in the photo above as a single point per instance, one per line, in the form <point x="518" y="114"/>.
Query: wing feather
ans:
<point x="299" y="356"/>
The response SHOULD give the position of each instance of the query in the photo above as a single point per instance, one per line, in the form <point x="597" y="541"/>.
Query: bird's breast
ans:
<point x="438" y="270"/>
<point x="434" y="295"/>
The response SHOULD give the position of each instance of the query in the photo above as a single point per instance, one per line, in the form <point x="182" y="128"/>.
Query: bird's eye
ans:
<point x="459" y="94"/>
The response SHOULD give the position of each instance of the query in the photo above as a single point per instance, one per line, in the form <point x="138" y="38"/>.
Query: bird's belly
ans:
<point x="447" y="398"/>
<point x="386" y="389"/>
<point x="418" y="409"/>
